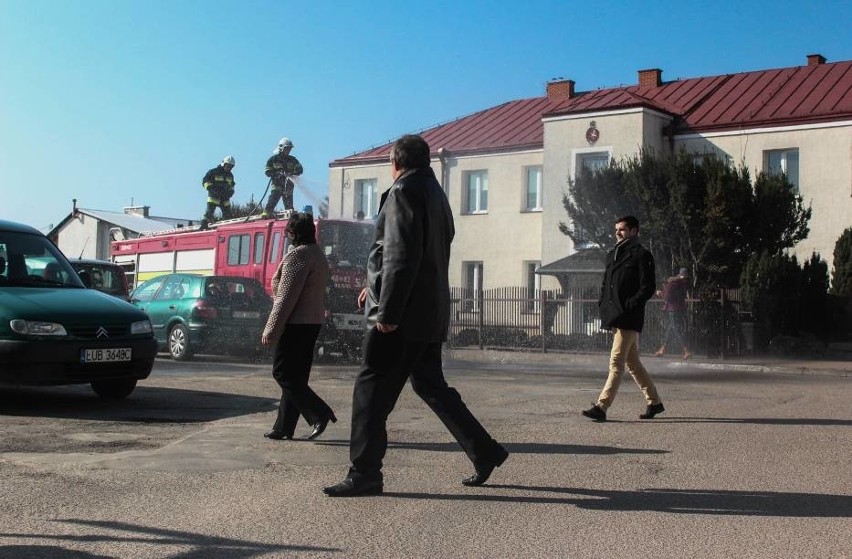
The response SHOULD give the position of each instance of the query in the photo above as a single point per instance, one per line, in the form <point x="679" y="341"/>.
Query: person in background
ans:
<point x="674" y="294"/>
<point x="407" y="302"/>
<point x="627" y="285"/>
<point x="279" y="168"/>
<point x="219" y="182"/>
<point x="298" y="311"/>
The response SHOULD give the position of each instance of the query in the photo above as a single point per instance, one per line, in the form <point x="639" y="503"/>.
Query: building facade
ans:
<point x="505" y="169"/>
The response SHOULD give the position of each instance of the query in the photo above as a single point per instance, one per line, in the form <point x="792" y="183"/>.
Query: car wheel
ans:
<point x="179" y="343"/>
<point x="114" y="389"/>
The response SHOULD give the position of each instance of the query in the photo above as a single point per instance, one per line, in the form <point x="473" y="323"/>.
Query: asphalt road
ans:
<point x="745" y="462"/>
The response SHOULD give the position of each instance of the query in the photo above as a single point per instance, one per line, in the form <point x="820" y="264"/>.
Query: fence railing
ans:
<point x="543" y="320"/>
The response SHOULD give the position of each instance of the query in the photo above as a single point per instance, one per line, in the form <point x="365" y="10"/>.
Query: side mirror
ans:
<point x="86" y="278"/>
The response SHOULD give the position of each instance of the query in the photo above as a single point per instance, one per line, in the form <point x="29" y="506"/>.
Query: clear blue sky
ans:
<point x="113" y="101"/>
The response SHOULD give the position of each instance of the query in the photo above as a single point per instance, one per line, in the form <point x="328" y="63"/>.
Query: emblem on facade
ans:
<point x="592" y="134"/>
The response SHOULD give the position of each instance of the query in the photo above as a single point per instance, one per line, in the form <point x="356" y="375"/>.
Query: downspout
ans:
<point x="342" y="188"/>
<point x="443" y="154"/>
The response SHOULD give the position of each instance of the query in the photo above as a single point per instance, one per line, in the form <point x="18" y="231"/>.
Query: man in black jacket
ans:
<point x="627" y="285"/>
<point x="407" y="304"/>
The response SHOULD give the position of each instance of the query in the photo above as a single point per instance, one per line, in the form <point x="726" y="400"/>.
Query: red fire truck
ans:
<point x="251" y="247"/>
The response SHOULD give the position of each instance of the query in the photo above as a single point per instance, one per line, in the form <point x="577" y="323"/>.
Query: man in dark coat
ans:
<point x="627" y="285"/>
<point x="407" y="304"/>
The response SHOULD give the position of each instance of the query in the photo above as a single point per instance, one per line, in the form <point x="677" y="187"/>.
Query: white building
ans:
<point x="505" y="169"/>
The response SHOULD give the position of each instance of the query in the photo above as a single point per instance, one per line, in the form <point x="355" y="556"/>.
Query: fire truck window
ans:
<point x="238" y="250"/>
<point x="258" y="248"/>
<point x="276" y="245"/>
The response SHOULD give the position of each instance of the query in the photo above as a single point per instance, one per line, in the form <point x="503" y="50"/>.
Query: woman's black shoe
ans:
<point x="277" y="436"/>
<point x="320" y="426"/>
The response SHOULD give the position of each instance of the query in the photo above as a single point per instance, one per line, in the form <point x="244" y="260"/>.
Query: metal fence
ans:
<point x="567" y="320"/>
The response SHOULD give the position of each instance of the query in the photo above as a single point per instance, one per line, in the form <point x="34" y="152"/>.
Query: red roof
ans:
<point x="765" y="98"/>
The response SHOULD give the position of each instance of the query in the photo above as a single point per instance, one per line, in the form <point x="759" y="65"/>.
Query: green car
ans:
<point x="54" y="331"/>
<point x="193" y="314"/>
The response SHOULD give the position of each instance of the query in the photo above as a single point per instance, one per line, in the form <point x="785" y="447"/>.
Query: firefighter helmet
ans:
<point x="285" y="143"/>
<point x="229" y="160"/>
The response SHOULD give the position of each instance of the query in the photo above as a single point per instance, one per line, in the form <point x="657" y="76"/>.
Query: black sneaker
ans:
<point x="595" y="412"/>
<point x="652" y="410"/>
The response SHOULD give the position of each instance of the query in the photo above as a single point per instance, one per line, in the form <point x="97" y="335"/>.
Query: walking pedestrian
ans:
<point x="628" y="283"/>
<point x="407" y="302"/>
<point x="673" y="294"/>
<point x="293" y="326"/>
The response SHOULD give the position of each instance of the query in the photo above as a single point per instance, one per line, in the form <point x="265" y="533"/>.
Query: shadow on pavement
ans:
<point x="204" y="546"/>
<point x="759" y="420"/>
<point x="515" y="448"/>
<point x="145" y="405"/>
<point x="684" y="501"/>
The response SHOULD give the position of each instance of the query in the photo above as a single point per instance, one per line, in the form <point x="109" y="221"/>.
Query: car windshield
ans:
<point x="28" y="260"/>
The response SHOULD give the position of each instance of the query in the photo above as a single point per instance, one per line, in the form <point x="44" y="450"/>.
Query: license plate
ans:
<point x="107" y="355"/>
<point x="246" y="314"/>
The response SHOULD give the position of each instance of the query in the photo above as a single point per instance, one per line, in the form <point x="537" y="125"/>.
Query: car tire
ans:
<point x="114" y="389"/>
<point x="178" y="342"/>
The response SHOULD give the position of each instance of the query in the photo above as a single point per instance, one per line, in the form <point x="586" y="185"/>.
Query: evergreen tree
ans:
<point x="841" y="282"/>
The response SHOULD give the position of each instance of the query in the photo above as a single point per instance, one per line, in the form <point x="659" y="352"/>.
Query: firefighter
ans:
<point x="280" y="167"/>
<point x="219" y="182"/>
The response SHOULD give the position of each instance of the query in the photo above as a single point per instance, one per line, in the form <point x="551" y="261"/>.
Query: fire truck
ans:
<point x="253" y="247"/>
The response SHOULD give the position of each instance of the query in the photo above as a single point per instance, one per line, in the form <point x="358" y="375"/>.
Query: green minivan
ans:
<point x="54" y="331"/>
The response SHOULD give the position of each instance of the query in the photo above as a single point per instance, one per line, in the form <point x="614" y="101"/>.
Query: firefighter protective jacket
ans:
<point x="220" y="178"/>
<point x="279" y="165"/>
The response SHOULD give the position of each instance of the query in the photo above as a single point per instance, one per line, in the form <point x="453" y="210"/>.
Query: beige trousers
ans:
<point x="625" y="350"/>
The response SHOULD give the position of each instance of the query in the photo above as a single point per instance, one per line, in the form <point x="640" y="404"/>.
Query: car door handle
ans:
<point x="172" y="307"/>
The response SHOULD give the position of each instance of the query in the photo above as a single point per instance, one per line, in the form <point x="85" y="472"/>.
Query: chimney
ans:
<point x="559" y="88"/>
<point x="815" y="59"/>
<point x="650" y="78"/>
<point x="141" y="211"/>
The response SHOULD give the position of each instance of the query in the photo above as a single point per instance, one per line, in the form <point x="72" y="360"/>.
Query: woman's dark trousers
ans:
<point x="291" y="369"/>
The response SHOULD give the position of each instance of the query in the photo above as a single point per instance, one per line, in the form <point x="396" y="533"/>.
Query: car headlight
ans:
<point x="141" y="327"/>
<point x="37" y="328"/>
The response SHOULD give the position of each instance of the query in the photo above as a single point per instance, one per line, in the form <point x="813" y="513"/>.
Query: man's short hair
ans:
<point x="410" y="152"/>
<point x="301" y="226"/>
<point x="631" y="221"/>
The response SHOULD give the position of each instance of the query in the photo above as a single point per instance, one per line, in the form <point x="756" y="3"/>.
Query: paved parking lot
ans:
<point x="746" y="461"/>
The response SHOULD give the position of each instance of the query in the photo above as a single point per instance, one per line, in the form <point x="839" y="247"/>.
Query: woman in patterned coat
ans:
<point x="298" y="310"/>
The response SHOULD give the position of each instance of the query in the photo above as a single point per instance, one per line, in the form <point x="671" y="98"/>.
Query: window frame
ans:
<point x="372" y="199"/>
<point x="538" y="194"/>
<point x="481" y="188"/>
<point x="783" y="165"/>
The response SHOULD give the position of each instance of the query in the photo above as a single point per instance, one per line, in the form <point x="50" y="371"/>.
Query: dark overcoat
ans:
<point x="628" y="283"/>
<point x="407" y="270"/>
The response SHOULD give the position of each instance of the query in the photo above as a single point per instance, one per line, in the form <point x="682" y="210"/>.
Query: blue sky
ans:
<point x="116" y="102"/>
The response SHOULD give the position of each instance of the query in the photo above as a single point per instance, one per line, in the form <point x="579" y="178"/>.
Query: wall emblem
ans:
<point x="592" y="134"/>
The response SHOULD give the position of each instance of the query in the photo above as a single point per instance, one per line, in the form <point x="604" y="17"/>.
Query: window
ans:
<point x="593" y="161"/>
<point x="147" y="290"/>
<point x="784" y="161"/>
<point x="238" y="249"/>
<point x="473" y="284"/>
<point x="276" y="246"/>
<point x="366" y="198"/>
<point x="258" y="248"/>
<point x="533" y="189"/>
<point x="533" y="281"/>
<point x="477" y="192"/>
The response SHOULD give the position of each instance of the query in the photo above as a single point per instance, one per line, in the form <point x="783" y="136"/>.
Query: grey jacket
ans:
<point x="407" y="270"/>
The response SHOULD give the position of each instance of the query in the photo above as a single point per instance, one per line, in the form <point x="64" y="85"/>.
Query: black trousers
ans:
<point x="389" y="360"/>
<point x="277" y="193"/>
<point x="291" y="369"/>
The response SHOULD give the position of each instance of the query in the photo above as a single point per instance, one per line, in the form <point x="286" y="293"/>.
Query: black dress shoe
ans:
<point x="652" y="410"/>
<point x="277" y="436"/>
<point x="352" y="488"/>
<point x="484" y="472"/>
<point x="320" y="426"/>
<point x="595" y="412"/>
